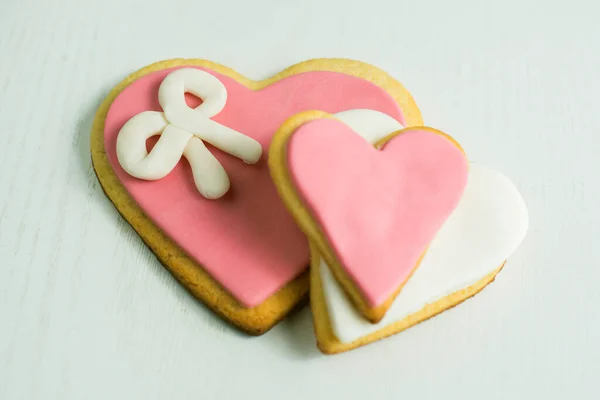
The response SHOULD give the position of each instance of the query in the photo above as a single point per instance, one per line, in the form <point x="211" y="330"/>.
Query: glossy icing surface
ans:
<point x="377" y="209"/>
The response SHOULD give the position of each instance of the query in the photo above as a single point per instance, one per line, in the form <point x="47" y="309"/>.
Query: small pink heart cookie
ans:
<point x="370" y="211"/>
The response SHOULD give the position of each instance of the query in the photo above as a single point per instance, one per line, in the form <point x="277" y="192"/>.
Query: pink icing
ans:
<point x="379" y="210"/>
<point x="246" y="240"/>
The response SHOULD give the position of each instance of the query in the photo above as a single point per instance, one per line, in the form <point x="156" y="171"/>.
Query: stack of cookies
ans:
<point x="321" y="180"/>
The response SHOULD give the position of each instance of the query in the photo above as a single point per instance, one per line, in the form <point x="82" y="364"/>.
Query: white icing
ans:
<point x="489" y="223"/>
<point x="182" y="131"/>
<point x="370" y="124"/>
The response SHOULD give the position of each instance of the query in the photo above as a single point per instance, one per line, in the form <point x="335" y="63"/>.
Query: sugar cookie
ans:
<point x="215" y="219"/>
<point x="370" y="210"/>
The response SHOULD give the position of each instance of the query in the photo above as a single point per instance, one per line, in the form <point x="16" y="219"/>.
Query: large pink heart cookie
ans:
<point x="241" y="253"/>
<point x="371" y="211"/>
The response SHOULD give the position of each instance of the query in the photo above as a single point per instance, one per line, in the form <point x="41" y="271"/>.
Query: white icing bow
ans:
<point x="182" y="131"/>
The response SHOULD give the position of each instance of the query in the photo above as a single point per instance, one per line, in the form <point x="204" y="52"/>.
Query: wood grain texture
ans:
<point x="87" y="312"/>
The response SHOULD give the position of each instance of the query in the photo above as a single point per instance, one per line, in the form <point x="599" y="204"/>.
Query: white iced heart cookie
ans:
<point x="488" y="225"/>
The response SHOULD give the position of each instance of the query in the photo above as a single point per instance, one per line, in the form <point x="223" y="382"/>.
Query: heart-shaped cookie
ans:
<point x="466" y="254"/>
<point x="242" y="253"/>
<point x="371" y="211"/>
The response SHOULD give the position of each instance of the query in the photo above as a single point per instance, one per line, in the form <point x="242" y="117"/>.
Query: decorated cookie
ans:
<point x="181" y="147"/>
<point x="467" y="252"/>
<point x="370" y="210"/>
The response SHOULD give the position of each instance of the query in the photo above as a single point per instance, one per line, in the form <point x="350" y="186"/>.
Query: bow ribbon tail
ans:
<point x="209" y="175"/>
<point x="226" y="139"/>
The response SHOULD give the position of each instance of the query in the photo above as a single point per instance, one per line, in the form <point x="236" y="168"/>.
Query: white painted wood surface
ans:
<point x="86" y="312"/>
